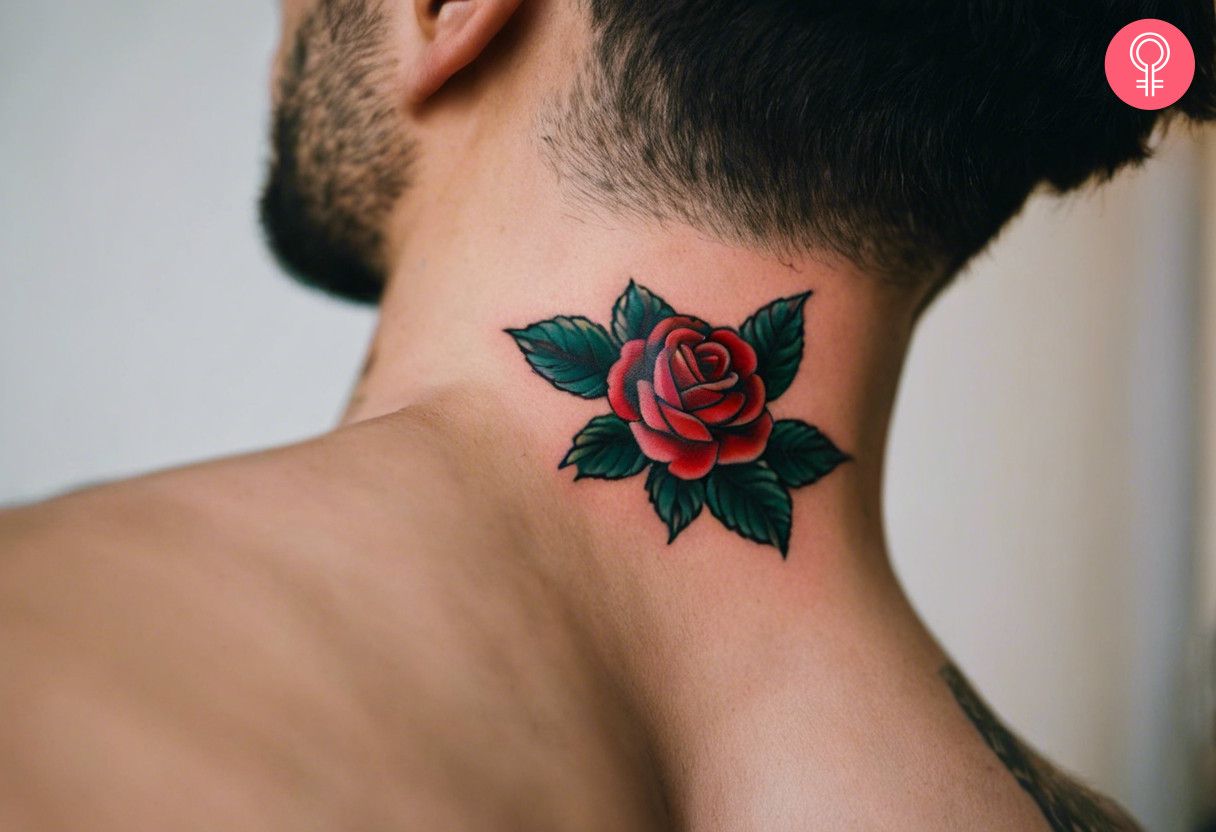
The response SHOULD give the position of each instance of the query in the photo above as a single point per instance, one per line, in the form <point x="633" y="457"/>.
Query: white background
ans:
<point x="1039" y="496"/>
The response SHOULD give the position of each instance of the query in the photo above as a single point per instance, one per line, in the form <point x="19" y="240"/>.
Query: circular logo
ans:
<point x="1150" y="64"/>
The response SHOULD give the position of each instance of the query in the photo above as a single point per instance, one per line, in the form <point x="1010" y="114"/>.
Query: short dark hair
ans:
<point x="899" y="135"/>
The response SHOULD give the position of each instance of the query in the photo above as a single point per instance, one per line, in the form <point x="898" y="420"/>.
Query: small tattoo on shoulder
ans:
<point x="690" y="406"/>
<point x="1067" y="805"/>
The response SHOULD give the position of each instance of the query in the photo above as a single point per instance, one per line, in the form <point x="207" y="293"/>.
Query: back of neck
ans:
<point x="472" y="274"/>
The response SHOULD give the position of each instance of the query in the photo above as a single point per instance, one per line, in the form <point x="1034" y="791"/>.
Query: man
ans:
<point x="599" y="544"/>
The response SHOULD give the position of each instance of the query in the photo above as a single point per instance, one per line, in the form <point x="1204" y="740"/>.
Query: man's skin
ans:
<point x="417" y="621"/>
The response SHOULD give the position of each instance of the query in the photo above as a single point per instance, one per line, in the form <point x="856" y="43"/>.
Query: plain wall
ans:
<point x="1041" y="493"/>
<point x="1038" y="497"/>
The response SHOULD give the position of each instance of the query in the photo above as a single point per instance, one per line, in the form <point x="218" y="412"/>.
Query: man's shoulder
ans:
<point x="245" y="529"/>
<point x="207" y="620"/>
<point x="274" y="496"/>
<point x="275" y="512"/>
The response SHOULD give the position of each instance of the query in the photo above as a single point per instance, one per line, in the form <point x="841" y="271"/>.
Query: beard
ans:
<point x="340" y="152"/>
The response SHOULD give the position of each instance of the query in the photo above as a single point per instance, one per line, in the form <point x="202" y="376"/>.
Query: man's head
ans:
<point x="898" y="135"/>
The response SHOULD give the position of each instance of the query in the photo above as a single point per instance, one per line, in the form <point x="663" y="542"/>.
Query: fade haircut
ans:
<point x="898" y="135"/>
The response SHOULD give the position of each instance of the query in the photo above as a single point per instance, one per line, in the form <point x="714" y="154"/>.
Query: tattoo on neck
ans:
<point x="690" y="402"/>
<point x="1067" y="806"/>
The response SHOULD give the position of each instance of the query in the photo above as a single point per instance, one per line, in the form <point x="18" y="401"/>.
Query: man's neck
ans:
<point x="489" y="240"/>
<point x="467" y="275"/>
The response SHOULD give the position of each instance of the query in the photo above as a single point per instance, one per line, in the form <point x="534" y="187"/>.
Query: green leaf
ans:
<point x="636" y="312"/>
<point x="605" y="449"/>
<point x="678" y="502"/>
<point x="571" y="353"/>
<point x="775" y="332"/>
<point x="749" y="499"/>
<point x="800" y="454"/>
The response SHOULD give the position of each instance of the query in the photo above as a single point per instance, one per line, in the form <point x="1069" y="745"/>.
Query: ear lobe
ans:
<point x="454" y="33"/>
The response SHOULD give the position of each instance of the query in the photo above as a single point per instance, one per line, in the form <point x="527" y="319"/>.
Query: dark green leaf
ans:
<point x="775" y="332"/>
<point x="572" y="353"/>
<point x="636" y="312"/>
<point x="748" y="499"/>
<point x="800" y="454"/>
<point x="677" y="501"/>
<point x="605" y="449"/>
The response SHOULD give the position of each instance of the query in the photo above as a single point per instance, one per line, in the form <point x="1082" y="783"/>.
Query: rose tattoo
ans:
<point x="691" y="396"/>
<point x="691" y="402"/>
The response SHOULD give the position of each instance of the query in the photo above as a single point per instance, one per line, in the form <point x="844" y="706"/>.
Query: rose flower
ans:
<point x="691" y="396"/>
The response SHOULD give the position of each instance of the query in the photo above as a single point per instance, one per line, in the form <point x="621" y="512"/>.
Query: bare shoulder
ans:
<point x="393" y="469"/>
<point x="150" y="550"/>
<point x="321" y="636"/>
<point x="186" y="645"/>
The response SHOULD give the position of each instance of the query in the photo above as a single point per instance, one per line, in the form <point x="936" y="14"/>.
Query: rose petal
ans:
<point x="745" y="444"/>
<point x="686" y="425"/>
<point x="721" y="385"/>
<point x="742" y="356"/>
<point x="620" y="392"/>
<point x="723" y="411"/>
<point x="658" y="335"/>
<point x="680" y="337"/>
<point x="664" y="382"/>
<point x="753" y="389"/>
<point x="695" y="464"/>
<point x="691" y="457"/>
<point x="680" y="369"/>
<point x="713" y="358"/>
<point x="649" y="406"/>
<point x="701" y="396"/>
<point x="690" y="358"/>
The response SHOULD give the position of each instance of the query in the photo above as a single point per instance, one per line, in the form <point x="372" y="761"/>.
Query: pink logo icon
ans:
<point x="1149" y="64"/>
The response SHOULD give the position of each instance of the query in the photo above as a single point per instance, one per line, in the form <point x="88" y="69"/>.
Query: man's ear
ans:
<point x="454" y="33"/>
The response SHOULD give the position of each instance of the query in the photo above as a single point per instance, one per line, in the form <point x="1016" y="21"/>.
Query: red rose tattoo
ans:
<point x="691" y="396"/>
<point x="690" y="402"/>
